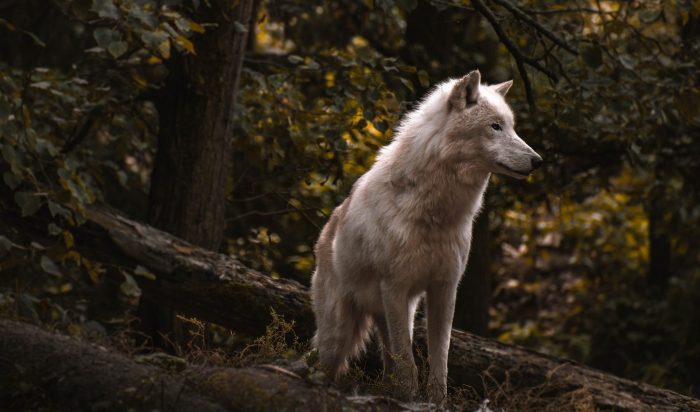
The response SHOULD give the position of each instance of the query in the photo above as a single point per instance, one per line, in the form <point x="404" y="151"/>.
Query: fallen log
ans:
<point x="49" y="371"/>
<point x="202" y="283"/>
<point x="220" y="289"/>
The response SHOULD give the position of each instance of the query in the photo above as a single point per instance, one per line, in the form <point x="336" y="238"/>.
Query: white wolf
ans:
<point x="405" y="230"/>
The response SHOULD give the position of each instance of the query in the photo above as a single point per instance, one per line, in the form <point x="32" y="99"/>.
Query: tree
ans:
<point x="196" y="107"/>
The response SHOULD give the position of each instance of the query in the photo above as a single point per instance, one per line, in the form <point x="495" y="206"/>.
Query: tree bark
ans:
<point x="196" y="106"/>
<point x="659" y="273"/>
<point x="47" y="371"/>
<point x="218" y="288"/>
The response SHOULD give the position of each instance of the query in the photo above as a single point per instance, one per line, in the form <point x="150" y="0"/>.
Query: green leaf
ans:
<point x="11" y="180"/>
<point x="105" y="36"/>
<point x="145" y="16"/>
<point x="117" y="48"/>
<point x="628" y="61"/>
<point x="408" y="5"/>
<point x="9" y="154"/>
<point x="129" y="287"/>
<point x="49" y="267"/>
<point x="424" y="79"/>
<point x="57" y="209"/>
<point x="142" y="271"/>
<point x="28" y="202"/>
<point x="105" y="8"/>
<point x="311" y="64"/>
<point x="408" y="84"/>
<point x="294" y="59"/>
<point x="157" y="40"/>
<point x="240" y="28"/>
<point x="54" y="230"/>
<point x="6" y="244"/>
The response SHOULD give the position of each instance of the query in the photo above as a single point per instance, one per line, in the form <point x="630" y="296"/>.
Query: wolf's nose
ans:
<point x="536" y="162"/>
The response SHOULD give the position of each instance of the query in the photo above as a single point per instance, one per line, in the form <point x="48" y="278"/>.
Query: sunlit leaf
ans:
<point x="105" y="8"/>
<point x="28" y="202"/>
<point x="185" y="43"/>
<point x="49" y="266"/>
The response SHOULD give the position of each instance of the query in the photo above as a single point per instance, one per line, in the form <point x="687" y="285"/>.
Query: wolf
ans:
<point x="405" y="230"/>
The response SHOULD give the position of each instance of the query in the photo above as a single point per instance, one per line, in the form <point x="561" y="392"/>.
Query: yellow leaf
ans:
<point x="164" y="49"/>
<point x="154" y="60"/>
<point x="185" y="43"/>
<point x="73" y="255"/>
<point x="68" y="239"/>
<point x="94" y="270"/>
<point x="197" y="28"/>
<point x="139" y="79"/>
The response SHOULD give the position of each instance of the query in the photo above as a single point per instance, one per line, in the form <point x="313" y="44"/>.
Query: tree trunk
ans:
<point x="45" y="371"/>
<point x="195" y="281"/>
<point x="190" y="177"/>
<point x="474" y="295"/>
<point x="659" y="243"/>
<point x="220" y="289"/>
<point x="189" y="181"/>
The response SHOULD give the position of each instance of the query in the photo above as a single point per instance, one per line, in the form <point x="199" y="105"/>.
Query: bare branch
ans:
<point x="517" y="12"/>
<point x="571" y="10"/>
<point x="520" y="58"/>
<point x="526" y="82"/>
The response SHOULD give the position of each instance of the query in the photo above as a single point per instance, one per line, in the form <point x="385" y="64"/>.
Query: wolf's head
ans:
<point x="480" y="129"/>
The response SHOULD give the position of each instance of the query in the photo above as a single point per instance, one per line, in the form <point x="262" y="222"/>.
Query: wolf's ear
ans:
<point x="502" y="88"/>
<point x="466" y="91"/>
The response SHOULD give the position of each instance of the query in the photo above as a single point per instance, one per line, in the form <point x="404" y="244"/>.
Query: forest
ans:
<point x="167" y="167"/>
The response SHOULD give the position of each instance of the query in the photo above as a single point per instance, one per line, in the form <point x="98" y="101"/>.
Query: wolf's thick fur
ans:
<point x="405" y="230"/>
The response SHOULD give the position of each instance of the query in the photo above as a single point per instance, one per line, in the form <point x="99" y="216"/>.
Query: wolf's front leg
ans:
<point x="441" y="305"/>
<point x="396" y="310"/>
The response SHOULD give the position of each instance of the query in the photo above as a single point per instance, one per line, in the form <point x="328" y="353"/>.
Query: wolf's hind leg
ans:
<point x="342" y="334"/>
<point x="383" y="332"/>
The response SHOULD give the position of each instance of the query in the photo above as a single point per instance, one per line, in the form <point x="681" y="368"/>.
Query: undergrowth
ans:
<point x="280" y="347"/>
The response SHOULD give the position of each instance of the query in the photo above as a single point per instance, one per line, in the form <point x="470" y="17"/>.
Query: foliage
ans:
<point x="612" y="103"/>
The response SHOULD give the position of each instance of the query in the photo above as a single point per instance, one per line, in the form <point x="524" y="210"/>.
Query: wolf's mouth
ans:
<point x="517" y="172"/>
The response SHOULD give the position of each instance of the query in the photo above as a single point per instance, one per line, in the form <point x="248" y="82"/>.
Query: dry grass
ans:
<point x="281" y="347"/>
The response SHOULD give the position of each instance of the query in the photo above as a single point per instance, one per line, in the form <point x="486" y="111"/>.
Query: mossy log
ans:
<point x="40" y="370"/>
<point x="220" y="289"/>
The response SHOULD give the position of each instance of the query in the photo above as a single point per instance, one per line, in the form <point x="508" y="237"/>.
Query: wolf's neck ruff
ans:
<point x="430" y="186"/>
<point x="422" y="195"/>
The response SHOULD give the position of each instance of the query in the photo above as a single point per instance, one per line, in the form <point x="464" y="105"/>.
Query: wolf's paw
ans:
<point x="437" y="393"/>
<point x="407" y="383"/>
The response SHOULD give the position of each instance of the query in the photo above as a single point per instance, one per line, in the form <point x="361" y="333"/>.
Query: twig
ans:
<point x="526" y="83"/>
<point x="572" y="10"/>
<point x="268" y="213"/>
<point x="520" y="58"/>
<point x="515" y="11"/>
<point x="448" y="3"/>
<point x="512" y="48"/>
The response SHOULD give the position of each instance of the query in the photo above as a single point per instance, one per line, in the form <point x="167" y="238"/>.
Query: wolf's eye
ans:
<point x="495" y="126"/>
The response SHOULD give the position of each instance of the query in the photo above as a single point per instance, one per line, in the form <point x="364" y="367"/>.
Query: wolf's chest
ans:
<point x="426" y="251"/>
